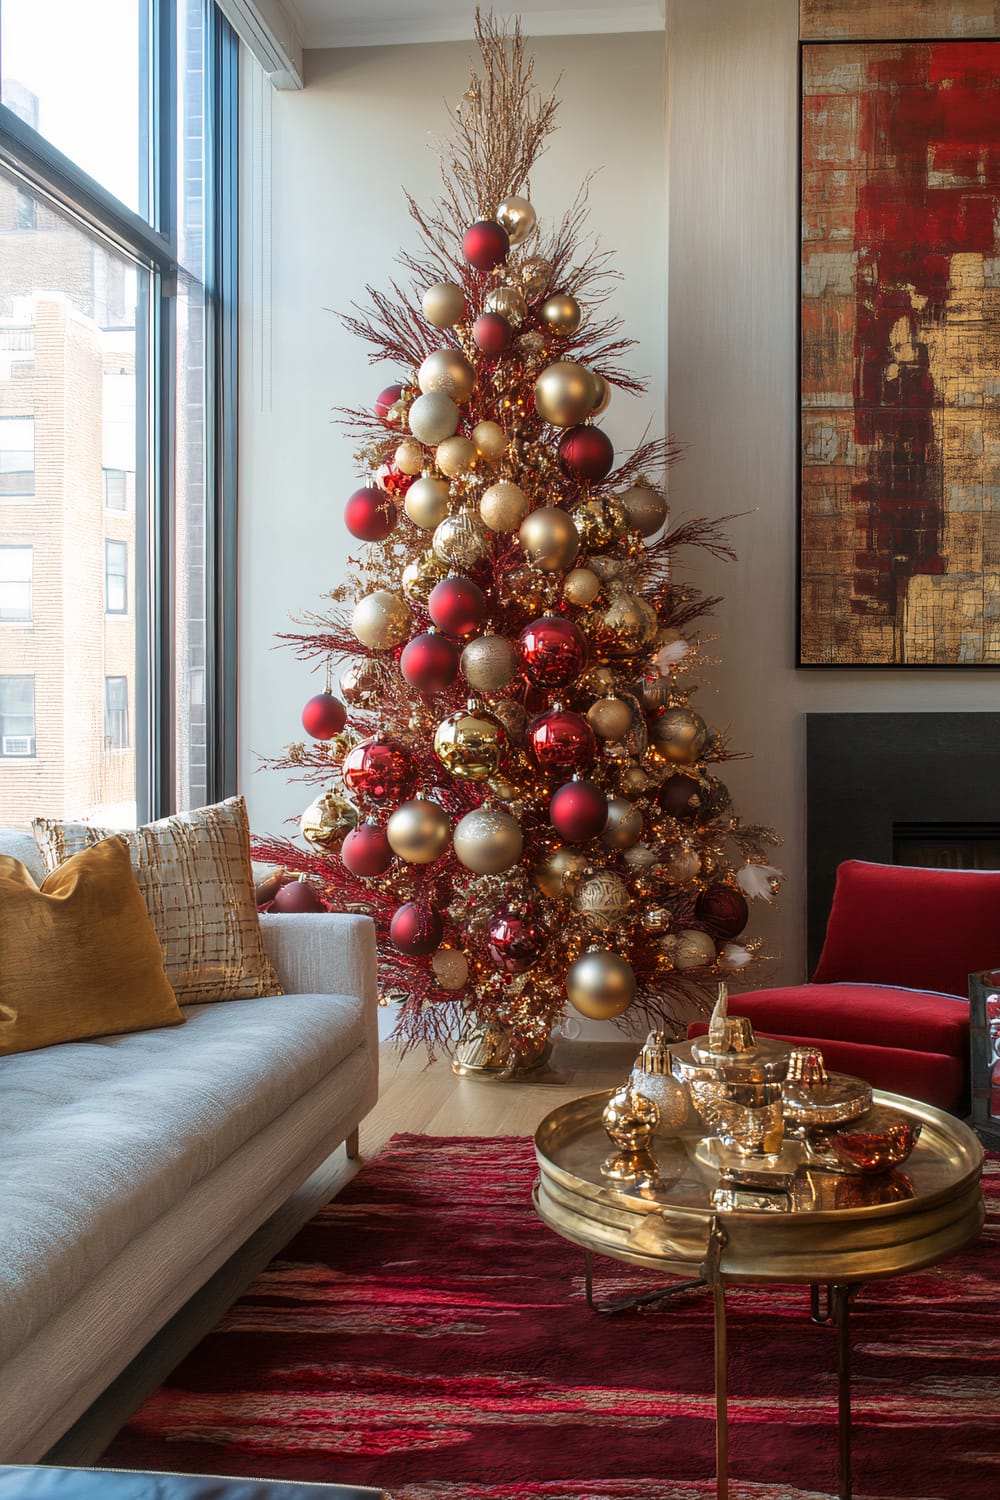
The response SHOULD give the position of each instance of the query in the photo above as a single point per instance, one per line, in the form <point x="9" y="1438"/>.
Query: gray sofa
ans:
<point x="132" y="1167"/>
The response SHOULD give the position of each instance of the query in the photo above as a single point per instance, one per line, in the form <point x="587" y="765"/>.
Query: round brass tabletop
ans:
<point x="838" y="1227"/>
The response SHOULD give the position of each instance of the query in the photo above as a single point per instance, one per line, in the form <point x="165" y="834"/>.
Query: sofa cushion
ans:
<point x="99" y="1138"/>
<point x="878" y="1015"/>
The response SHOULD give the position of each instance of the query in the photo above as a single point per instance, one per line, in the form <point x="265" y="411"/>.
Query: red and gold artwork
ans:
<point x="900" y="354"/>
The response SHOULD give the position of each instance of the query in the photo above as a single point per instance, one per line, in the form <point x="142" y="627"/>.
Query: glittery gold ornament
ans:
<point x="471" y="744"/>
<point x="489" y="663"/>
<point x="513" y="718"/>
<point x="581" y="586"/>
<point x="645" y="507"/>
<point x="509" y="302"/>
<point x="692" y="949"/>
<point x="600" y="984"/>
<point x="678" y="734"/>
<point x="327" y="821"/>
<point x="443" y="304"/>
<point x="360" y="683"/>
<point x="610" y="717"/>
<point x="418" y="831"/>
<point x="549" y="538"/>
<point x="447" y="372"/>
<point x="602" y="394"/>
<point x="600" y="522"/>
<point x="561" y="314"/>
<point x="603" y="899"/>
<point x="682" y="864"/>
<point x="381" y="620"/>
<point x="504" y="506"/>
<point x="488" y="841"/>
<point x="461" y="541"/>
<point x="409" y="457"/>
<point x="491" y="441"/>
<point x="426" y="502"/>
<point x="433" y="417"/>
<point x="517" y="217"/>
<point x="564" y="393"/>
<point x="624" y="825"/>
<point x="451" y="968"/>
<point x="420" y="575"/>
<point x="455" y="456"/>
<point x="534" y="273"/>
<point x="625" y="628"/>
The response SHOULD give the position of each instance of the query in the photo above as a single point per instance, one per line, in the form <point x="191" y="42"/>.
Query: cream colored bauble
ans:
<point x="418" y="831"/>
<point x="382" y="620"/>
<point x="509" y="301"/>
<point x="455" y="456"/>
<point x="534" y="273"/>
<point x="504" y="506"/>
<point x="645" y="507"/>
<point x="488" y="841"/>
<point x="603" y="900"/>
<point x="564" y="393"/>
<point x="409" y="457"/>
<point x="447" y="372"/>
<point x="443" y="304"/>
<point x="557" y="873"/>
<point x="581" y="586"/>
<point x="461" y="541"/>
<point x="451" y="968"/>
<point x="561" y="314"/>
<point x="692" y="949"/>
<point x="426" y="502"/>
<point x="624" y="825"/>
<point x="549" y="538"/>
<point x="433" y="418"/>
<point x="600" y="984"/>
<point x="517" y="217"/>
<point x="491" y="441"/>
<point x="489" y="663"/>
<point x="611" y="718"/>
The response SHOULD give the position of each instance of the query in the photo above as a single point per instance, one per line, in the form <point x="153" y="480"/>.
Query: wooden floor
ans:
<point x="414" y="1097"/>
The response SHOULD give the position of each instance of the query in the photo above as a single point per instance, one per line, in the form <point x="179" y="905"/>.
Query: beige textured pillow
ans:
<point x="193" y="871"/>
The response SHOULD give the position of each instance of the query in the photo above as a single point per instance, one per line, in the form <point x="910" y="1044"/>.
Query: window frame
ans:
<point x="29" y="618"/>
<point x="110" y="745"/>
<point x="6" y="755"/>
<point x="120" y="549"/>
<point x="19" y="496"/>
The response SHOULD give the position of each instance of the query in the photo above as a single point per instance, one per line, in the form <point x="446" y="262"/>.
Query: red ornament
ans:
<point x="586" y="453"/>
<point x="553" y="650"/>
<point x="366" y="850"/>
<point x="370" y="514"/>
<point x="561" y="740"/>
<point x="492" y="333"/>
<point x="429" y="663"/>
<point x="516" y="938"/>
<point x="416" y="930"/>
<point x="722" y="910"/>
<point x="385" y="400"/>
<point x="485" y="244"/>
<point x="680" y="796"/>
<point x="324" y="716"/>
<point x="457" y="606"/>
<point x="298" y="896"/>
<point x="378" y="770"/>
<point x="393" y="481"/>
<point x="579" y="811"/>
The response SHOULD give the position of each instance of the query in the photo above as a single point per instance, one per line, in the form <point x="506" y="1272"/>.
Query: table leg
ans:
<point x="627" y="1304"/>
<point x="841" y="1318"/>
<point x="721" y="1394"/>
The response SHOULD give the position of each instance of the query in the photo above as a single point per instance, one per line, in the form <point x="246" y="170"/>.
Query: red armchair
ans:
<point x="888" y="1000"/>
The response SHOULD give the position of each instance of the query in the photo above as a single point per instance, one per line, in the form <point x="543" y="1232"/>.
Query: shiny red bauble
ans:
<point x="485" y="244"/>
<point x="416" y="930"/>
<point x="429" y="663"/>
<point x="370" y="514"/>
<point x="298" y="896"/>
<point x="492" y="333"/>
<point x="385" y="400"/>
<point x="379" y="770"/>
<point x="680" y="796"/>
<point x="366" y="850"/>
<point x="561" y="740"/>
<point x="324" y="716"/>
<point x="586" y="453"/>
<point x="457" y="606"/>
<point x="722" y="910"/>
<point x="553" y="650"/>
<point x="579" y="811"/>
<point x="516" y="938"/>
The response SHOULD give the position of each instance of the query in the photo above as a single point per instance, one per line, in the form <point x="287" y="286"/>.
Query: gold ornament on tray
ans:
<point x="549" y="538"/>
<point x="461" y="541"/>
<point x="488" y="663"/>
<point x="447" y="372"/>
<point x="504" y="506"/>
<point x="418" y="831"/>
<point x="327" y="821"/>
<point x="488" y="841"/>
<point x="444" y="304"/>
<point x="564" y="393"/>
<point x="427" y="502"/>
<point x="630" y="1120"/>
<point x="471" y="744"/>
<point x="517" y="217"/>
<point x="381" y="620"/>
<point x="600" y="984"/>
<point x="653" y="1078"/>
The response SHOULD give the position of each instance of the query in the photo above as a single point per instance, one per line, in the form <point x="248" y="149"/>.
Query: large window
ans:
<point x="17" y="456"/>
<point x="17" y="717"/>
<point x="115" y="577"/>
<point x="16" y="567"/>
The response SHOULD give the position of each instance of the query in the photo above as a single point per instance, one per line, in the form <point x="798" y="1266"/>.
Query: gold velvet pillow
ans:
<point x="194" y="873"/>
<point x="78" y="957"/>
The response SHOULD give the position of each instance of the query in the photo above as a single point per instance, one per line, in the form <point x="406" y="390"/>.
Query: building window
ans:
<point x="115" y="490"/>
<point x="15" y="583"/>
<point x="115" y="577"/>
<point x="17" y="456"/>
<point x="25" y="210"/>
<point x="17" y="717"/>
<point x="116" y="713"/>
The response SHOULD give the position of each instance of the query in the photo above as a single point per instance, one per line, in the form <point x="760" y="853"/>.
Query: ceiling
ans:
<point x="372" y="23"/>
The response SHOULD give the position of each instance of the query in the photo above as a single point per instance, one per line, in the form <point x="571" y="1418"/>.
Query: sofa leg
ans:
<point x="352" y="1144"/>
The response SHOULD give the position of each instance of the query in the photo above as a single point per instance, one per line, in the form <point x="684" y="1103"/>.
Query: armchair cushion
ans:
<point x="877" y="1015"/>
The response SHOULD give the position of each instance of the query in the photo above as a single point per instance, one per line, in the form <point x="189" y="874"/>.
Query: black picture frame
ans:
<point x="984" y="1038"/>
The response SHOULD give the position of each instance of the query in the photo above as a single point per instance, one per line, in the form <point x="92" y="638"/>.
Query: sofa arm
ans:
<point x="323" y="953"/>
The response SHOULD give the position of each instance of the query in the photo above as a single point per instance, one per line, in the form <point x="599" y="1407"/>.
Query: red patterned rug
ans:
<point x="426" y="1333"/>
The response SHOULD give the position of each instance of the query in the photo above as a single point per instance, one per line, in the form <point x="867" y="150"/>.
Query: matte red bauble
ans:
<point x="561" y="740"/>
<point x="429" y="663"/>
<point x="370" y="514"/>
<point x="457" y="606"/>
<point x="485" y="244"/>
<point x="416" y="930"/>
<point x="553" y="650"/>
<point x="680" y="796"/>
<point x="379" y="770"/>
<point x="492" y="333"/>
<point x="579" y="811"/>
<point x="298" y="896"/>
<point x="723" y="910"/>
<point x="586" y="453"/>
<point x="366" y="850"/>
<point x="324" y="716"/>
<point x="387" y="399"/>
<point x="516" y="938"/>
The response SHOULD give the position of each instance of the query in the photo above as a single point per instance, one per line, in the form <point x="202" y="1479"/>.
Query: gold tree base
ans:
<point x="486" y="1051"/>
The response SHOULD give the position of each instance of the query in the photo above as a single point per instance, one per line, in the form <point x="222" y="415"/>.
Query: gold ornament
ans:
<point x="489" y="663"/>
<point x="360" y="683"/>
<point x="517" y="216"/>
<point x="504" y="506"/>
<point x="625" y="628"/>
<point x="381" y="620"/>
<point x="418" y="831"/>
<point x="409" y="457"/>
<point x="433" y="418"/>
<point x="451" y="968"/>
<point x="443" y="304"/>
<point x="639" y="858"/>
<point x="426" y="502"/>
<point x="630" y="1118"/>
<point x="692" y="949"/>
<point x="634" y="780"/>
<point x="420" y="576"/>
<point x="532" y="342"/>
<point x="327" y="821"/>
<point x="564" y="393"/>
<point x="471" y="744"/>
<point x="601" y="523"/>
<point x="624" y="825"/>
<point x="455" y="456"/>
<point x="561" y="313"/>
<point x="513" y="718"/>
<point x="604" y="900"/>
<point x="447" y="372"/>
<point x="558" y="871"/>
<point x="608" y="569"/>
<point x="461" y="540"/>
<point x="600" y="984"/>
<point x="682" y="864"/>
<point x="611" y="717"/>
<point x="645" y="507"/>
<point x="549" y="538"/>
<point x="678" y="734"/>
<point x="581" y="586"/>
<point x="534" y="273"/>
<point x="508" y="301"/>
<point x="488" y="841"/>
<point x="602" y="398"/>
<point x="491" y="441"/>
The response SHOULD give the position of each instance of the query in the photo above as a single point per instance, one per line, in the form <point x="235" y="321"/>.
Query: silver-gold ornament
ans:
<point x="488" y="663"/>
<point x="443" y="304"/>
<point x="456" y="455"/>
<point x="491" y="441"/>
<point x="471" y="744"/>
<point x="327" y="821"/>
<point x="426" y="502"/>
<point x="446" y="372"/>
<point x="419" y="831"/>
<point x="550" y="539"/>
<point x="600" y="984"/>
<point x="611" y="717"/>
<point x="381" y="620"/>
<point x="603" y="900"/>
<point x="461" y="541"/>
<point x="581" y="586"/>
<point x="509" y="301"/>
<point x="681" y="863"/>
<point x="561" y="314"/>
<point x="645" y="507"/>
<point x="517" y="217"/>
<point x="504" y="506"/>
<point x="564" y="393"/>
<point x="624" y="825"/>
<point x="409" y="457"/>
<point x="678" y="735"/>
<point x="488" y="840"/>
<point x="433" y="418"/>
<point x="420" y="576"/>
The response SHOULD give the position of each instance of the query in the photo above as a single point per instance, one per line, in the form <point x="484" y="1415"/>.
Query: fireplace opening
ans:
<point x="947" y="846"/>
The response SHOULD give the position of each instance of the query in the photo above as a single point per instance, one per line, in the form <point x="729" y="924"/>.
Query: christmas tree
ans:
<point x="518" y="790"/>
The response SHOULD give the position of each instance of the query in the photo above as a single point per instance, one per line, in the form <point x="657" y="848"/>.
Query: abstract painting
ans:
<point x="900" y="353"/>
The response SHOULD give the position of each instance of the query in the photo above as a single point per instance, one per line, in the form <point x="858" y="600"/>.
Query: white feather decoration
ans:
<point x="735" y="956"/>
<point x="669" y="655"/>
<point x="755" y="881"/>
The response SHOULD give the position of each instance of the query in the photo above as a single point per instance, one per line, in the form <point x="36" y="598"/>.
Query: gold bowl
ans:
<point x="877" y="1142"/>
